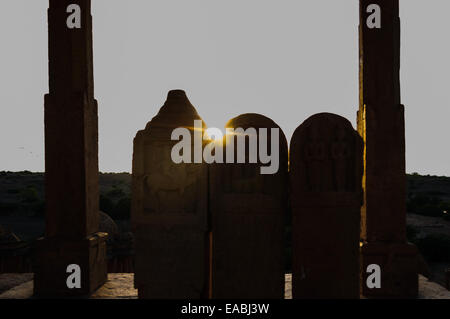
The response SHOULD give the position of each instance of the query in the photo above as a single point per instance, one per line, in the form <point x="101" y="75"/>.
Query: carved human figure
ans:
<point x="173" y="181"/>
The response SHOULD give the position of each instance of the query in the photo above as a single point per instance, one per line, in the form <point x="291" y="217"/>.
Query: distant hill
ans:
<point x="428" y="195"/>
<point x="22" y="207"/>
<point x="23" y="192"/>
<point x="432" y="186"/>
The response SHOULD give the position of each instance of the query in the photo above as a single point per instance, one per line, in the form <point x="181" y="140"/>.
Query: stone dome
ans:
<point x="107" y="225"/>
<point x="7" y="236"/>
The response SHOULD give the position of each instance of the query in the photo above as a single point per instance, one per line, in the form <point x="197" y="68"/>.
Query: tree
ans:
<point x="122" y="209"/>
<point x="106" y="204"/>
<point x="29" y="195"/>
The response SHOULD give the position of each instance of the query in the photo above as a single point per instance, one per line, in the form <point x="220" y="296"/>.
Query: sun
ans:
<point x="215" y="134"/>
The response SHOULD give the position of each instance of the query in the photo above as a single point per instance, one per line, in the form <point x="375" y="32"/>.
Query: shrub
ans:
<point x="116" y="192"/>
<point x="29" y="195"/>
<point x="106" y="204"/>
<point x="427" y="206"/>
<point x="435" y="247"/>
<point x="122" y="209"/>
<point x="411" y="233"/>
<point x="7" y="208"/>
<point x="39" y="208"/>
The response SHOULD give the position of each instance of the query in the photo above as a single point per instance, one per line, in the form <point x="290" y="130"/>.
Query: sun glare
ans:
<point x="214" y="134"/>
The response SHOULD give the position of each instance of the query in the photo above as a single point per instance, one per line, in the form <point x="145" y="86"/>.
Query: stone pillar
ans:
<point x="71" y="159"/>
<point x="381" y="124"/>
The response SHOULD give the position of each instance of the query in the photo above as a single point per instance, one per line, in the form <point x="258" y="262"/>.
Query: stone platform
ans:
<point x="120" y="286"/>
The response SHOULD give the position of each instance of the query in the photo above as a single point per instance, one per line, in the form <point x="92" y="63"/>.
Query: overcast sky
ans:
<point x="286" y="59"/>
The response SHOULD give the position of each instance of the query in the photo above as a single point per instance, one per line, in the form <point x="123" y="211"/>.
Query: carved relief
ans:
<point x="169" y="187"/>
<point x="326" y="159"/>
<point x="341" y="155"/>
<point x="315" y="156"/>
<point x="243" y="179"/>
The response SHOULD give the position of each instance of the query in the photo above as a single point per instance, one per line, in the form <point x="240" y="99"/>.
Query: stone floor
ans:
<point x="120" y="286"/>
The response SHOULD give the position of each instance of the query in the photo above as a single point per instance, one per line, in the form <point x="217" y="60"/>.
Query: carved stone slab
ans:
<point x="326" y="194"/>
<point x="169" y="209"/>
<point x="248" y="212"/>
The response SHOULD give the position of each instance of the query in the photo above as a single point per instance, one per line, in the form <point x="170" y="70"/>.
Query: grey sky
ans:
<point x="286" y="59"/>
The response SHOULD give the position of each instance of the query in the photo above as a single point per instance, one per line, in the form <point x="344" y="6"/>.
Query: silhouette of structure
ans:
<point x="326" y="168"/>
<point x="169" y="209"/>
<point x="381" y="124"/>
<point x="172" y="202"/>
<point x="71" y="160"/>
<point x="248" y="213"/>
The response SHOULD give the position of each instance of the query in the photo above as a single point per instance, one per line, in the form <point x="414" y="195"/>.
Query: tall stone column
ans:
<point x="381" y="124"/>
<point x="71" y="159"/>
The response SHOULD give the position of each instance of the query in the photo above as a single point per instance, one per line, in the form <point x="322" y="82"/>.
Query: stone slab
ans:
<point x="248" y="212"/>
<point x="169" y="208"/>
<point x="326" y="196"/>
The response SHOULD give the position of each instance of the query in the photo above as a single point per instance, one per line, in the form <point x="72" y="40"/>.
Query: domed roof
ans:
<point x="177" y="111"/>
<point x="107" y="225"/>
